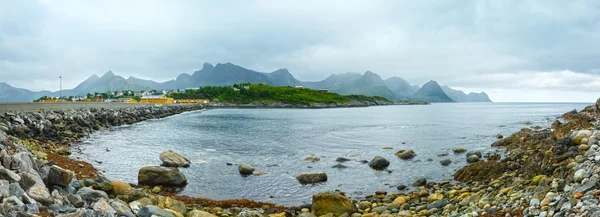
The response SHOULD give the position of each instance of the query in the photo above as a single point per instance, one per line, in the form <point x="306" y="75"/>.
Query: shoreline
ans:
<point x="512" y="185"/>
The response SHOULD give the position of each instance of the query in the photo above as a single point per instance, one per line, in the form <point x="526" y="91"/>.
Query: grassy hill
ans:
<point x="266" y="93"/>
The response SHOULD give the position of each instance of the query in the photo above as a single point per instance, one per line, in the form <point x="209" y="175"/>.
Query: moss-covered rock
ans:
<point x="157" y="175"/>
<point x="331" y="202"/>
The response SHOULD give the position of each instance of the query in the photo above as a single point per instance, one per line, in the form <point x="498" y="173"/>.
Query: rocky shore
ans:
<point x="312" y="106"/>
<point x="544" y="172"/>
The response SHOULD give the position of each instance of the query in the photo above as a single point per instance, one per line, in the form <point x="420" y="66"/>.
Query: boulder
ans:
<point x="121" y="208"/>
<point x="312" y="158"/>
<point x="120" y="188"/>
<point x="499" y="136"/>
<point x="59" y="176"/>
<point x="579" y="135"/>
<point x="102" y="183"/>
<point x="23" y="162"/>
<point x="331" y="202"/>
<point x="459" y="150"/>
<point x="40" y="193"/>
<point x="245" y="169"/>
<point x="172" y="204"/>
<point x="420" y="182"/>
<point x="200" y="213"/>
<point x="75" y="200"/>
<point x="406" y="154"/>
<point x="312" y="178"/>
<point x="29" y="179"/>
<point x="478" y="153"/>
<point x="157" y="175"/>
<point x="91" y="195"/>
<point x="103" y="206"/>
<point x="342" y="159"/>
<point x="9" y="175"/>
<point x="472" y="159"/>
<point x="379" y="163"/>
<point x="445" y="162"/>
<point x="4" y="189"/>
<point x="151" y="210"/>
<point x="174" y="159"/>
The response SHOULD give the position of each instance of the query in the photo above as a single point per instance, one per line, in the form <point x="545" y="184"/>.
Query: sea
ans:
<point x="278" y="140"/>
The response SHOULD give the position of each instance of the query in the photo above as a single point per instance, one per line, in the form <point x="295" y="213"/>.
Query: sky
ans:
<point x="532" y="51"/>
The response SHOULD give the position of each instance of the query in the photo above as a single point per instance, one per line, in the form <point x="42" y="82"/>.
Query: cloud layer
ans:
<point x="517" y="46"/>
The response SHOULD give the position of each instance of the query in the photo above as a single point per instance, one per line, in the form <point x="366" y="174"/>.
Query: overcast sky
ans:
<point x="513" y="50"/>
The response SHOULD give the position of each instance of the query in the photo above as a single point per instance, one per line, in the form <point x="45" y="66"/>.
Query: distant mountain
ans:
<point x="460" y="96"/>
<point x="368" y="83"/>
<point x="400" y="87"/>
<point x="432" y="92"/>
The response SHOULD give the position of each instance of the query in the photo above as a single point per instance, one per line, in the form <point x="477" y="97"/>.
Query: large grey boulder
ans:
<point x="312" y="178"/>
<point x="157" y="175"/>
<point x="174" y="159"/>
<point x="59" y="176"/>
<point x="9" y="175"/>
<point x="40" y="193"/>
<point x="103" y="206"/>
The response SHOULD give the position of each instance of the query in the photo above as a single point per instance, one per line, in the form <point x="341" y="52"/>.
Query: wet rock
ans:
<point x="401" y="187"/>
<point x="472" y="159"/>
<point x="476" y="153"/>
<point x="157" y="175"/>
<point x="174" y="159"/>
<point x="245" y="169"/>
<point x="379" y="163"/>
<point x="342" y="159"/>
<point x="406" y="154"/>
<point x="499" y="136"/>
<point x="331" y="202"/>
<point x="339" y="166"/>
<point x="420" y="182"/>
<point x="120" y="188"/>
<point x="459" y="150"/>
<point x="445" y="162"/>
<point x="312" y="159"/>
<point x="59" y="176"/>
<point x="312" y="178"/>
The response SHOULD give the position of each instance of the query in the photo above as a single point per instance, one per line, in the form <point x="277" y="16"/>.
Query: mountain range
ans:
<point x="368" y="83"/>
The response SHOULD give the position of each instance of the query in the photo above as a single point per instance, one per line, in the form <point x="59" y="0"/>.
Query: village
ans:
<point x="127" y="96"/>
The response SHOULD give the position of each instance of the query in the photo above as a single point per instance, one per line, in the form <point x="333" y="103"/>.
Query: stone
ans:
<point x="250" y="213"/>
<point x="472" y="159"/>
<point x="200" y="213"/>
<point x="102" y="183"/>
<point x="120" y="188"/>
<point x="499" y="136"/>
<point x="59" y="176"/>
<point x="9" y="175"/>
<point x="420" y="182"/>
<point x="157" y="175"/>
<point x="40" y="194"/>
<point x="312" y="178"/>
<point x="477" y="153"/>
<point x="174" y="159"/>
<point x="379" y="163"/>
<point x="91" y="195"/>
<point x="4" y="189"/>
<point x="121" y="208"/>
<point x="331" y="202"/>
<point x="75" y="200"/>
<point x="401" y="187"/>
<point x="437" y="204"/>
<point x="406" y="154"/>
<point x="342" y="159"/>
<point x="579" y="175"/>
<point x="578" y="135"/>
<point x="339" y="166"/>
<point x="23" y="162"/>
<point x="312" y="159"/>
<point x="459" y="150"/>
<point x="29" y="179"/>
<point x="151" y="210"/>
<point x="245" y="169"/>
<point x="583" y="147"/>
<point x="102" y="205"/>
<point x="548" y="198"/>
<point x="172" y="204"/>
<point x="445" y="162"/>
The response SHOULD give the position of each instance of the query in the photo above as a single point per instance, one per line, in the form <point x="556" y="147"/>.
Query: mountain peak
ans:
<point x="108" y="74"/>
<point x="207" y="66"/>
<point x="432" y="92"/>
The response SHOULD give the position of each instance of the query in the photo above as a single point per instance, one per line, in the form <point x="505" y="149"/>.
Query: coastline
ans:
<point x="354" y="104"/>
<point x="524" y="182"/>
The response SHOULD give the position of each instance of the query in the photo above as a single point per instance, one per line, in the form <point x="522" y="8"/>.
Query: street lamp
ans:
<point x="60" y="90"/>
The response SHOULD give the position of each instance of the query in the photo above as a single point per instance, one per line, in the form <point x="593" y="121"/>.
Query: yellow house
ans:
<point x="125" y="100"/>
<point x="50" y="100"/>
<point x="156" y="100"/>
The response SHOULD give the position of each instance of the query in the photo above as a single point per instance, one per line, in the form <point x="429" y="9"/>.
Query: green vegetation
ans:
<point x="249" y="93"/>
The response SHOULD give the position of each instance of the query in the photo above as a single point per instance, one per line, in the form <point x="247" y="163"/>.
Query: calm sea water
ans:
<point x="284" y="137"/>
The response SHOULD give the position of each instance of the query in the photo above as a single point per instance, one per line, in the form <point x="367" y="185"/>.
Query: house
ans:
<point x="299" y="87"/>
<point x="323" y="90"/>
<point x="236" y="89"/>
<point x="247" y="87"/>
<point x="156" y="100"/>
<point x="124" y="100"/>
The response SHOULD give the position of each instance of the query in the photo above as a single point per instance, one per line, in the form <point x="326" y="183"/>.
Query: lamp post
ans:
<point x="60" y="90"/>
